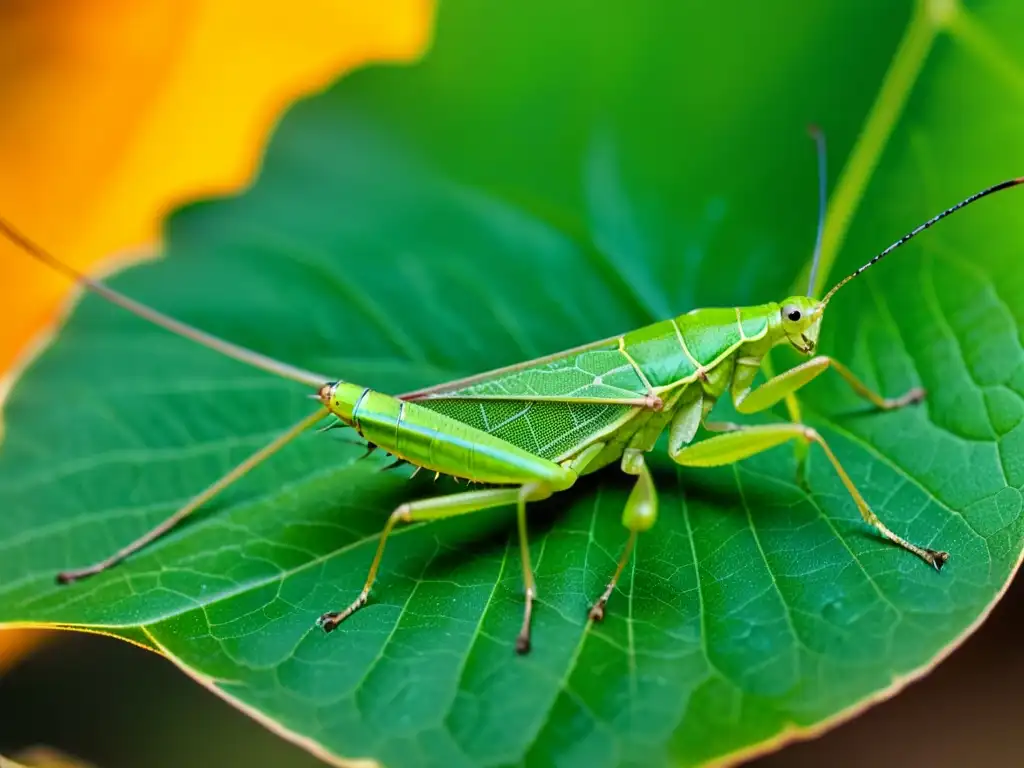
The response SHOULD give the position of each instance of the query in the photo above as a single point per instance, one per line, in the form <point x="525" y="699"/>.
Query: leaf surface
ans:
<point x="545" y="177"/>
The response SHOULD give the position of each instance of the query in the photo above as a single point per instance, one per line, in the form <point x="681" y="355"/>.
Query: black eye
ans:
<point x="794" y="315"/>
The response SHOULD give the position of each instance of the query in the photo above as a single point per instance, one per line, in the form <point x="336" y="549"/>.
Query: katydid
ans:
<point x="532" y="429"/>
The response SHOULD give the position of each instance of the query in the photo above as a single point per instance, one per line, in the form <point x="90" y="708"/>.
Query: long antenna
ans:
<point x="819" y="140"/>
<point x="100" y="288"/>
<point x="918" y="230"/>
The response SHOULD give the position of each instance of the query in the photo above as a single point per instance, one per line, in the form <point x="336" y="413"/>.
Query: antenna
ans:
<point x="819" y="140"/>
<point x="177" y="327"/>
<point x="918" y="230"/>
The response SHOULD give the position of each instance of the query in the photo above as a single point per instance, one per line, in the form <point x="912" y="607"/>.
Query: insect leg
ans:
<point x="639" y="515"/>
<point x="778" y="387"/>
<point x="641" y="510"/>
<point x="787" y="383"/>
<point x="257" y="458"/>
<point x="443" y="507"/>
<point x="532" y="492"/>
<point x="735" y="445"/>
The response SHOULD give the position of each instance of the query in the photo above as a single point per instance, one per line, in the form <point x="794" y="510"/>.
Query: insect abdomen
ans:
<point x="442" y="444"/>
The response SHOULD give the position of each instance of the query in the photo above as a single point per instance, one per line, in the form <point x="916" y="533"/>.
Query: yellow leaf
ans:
<point x="114" y="111"/>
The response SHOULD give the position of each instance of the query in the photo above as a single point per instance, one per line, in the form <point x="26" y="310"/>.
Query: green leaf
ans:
<point x="552" y="174"/>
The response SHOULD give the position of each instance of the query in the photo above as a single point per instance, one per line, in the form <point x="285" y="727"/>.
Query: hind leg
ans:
<point x="443" y="507"/>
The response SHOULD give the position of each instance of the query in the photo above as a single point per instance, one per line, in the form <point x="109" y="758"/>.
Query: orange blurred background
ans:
<point x="115" y="111"/>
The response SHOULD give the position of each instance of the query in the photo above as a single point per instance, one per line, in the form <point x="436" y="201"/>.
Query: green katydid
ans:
<point x="532" y="429"/>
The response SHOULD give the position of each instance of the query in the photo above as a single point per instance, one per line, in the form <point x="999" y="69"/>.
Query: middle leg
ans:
<point x="639" y="514"/>
<point x="452" y="505"/>
<point x="641" y="510"/>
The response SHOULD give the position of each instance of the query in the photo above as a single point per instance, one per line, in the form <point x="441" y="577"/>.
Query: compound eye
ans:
<point x="792" y="313"/>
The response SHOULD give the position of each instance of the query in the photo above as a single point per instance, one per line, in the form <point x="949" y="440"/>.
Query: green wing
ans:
<point x="513" y="403"/>
<point x="549" y="429"/>
<point x="555" y="405"/>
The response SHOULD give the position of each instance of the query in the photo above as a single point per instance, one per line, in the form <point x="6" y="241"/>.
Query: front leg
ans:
<point x="749" y="400"/>
<point x="737" y="444"/>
